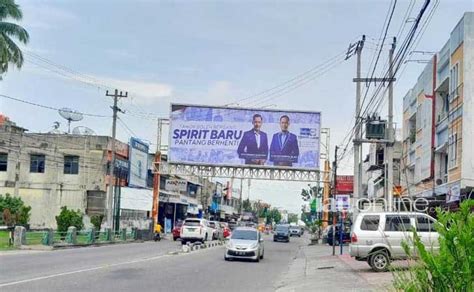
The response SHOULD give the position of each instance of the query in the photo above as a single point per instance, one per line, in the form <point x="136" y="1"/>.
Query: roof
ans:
<point x="246" y="228"/>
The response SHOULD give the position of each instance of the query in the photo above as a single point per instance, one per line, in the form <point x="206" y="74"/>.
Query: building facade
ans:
<point x="438" y="121"/>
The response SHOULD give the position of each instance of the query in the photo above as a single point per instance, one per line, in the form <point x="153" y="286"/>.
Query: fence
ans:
<point x="49" y="237"/>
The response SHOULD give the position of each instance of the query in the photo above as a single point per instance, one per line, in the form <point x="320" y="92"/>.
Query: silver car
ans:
<point x="245" y="243"/>
<point x="377" y="237"/>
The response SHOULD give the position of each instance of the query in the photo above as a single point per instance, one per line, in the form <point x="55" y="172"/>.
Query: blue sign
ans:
<point x="138" y="158"/>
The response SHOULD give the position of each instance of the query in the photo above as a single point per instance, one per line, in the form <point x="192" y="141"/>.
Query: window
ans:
<point x="71" y="164"/>
<point x="452" y="150"/>
<point x="370" y="222"/>
<point x="37" y="163"/>
<point x="454" y="81"/>
<point x="424" y="224"/>
<point x="397" y="223"/>
<point x="3" y="161"/>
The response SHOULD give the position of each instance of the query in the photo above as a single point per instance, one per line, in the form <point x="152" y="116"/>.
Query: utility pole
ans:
<point x="110" y="198"/>
<point x="334" y="211"/>
<point x="156" y="175"/>
<point x="358" y="134"/>
<point x="391" y="140"/>
<point x="240" y="198"/>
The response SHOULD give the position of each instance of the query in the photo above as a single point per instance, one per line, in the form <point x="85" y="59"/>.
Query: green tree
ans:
<point x="10" y="53"/>
<point x="69" y="218"/>
<point x="273" y="216"/>
<point x="450" y="269"/>
<point x="246" y="205"/>
<point x="14" y="211"/>
<point x="293" y="218"/>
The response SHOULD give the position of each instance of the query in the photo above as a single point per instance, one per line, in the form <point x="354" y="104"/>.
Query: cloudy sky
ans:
<point x="207" y="52"/>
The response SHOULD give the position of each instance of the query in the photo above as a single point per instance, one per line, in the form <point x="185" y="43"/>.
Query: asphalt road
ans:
<point x="146" y="266"/>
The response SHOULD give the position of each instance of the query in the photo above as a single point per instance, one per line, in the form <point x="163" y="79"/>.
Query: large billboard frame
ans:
<point x="265" y="167"/>
<point x="130" y="160"/>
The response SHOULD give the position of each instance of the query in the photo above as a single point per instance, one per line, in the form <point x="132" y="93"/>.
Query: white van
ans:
<point x="377" y="237"/>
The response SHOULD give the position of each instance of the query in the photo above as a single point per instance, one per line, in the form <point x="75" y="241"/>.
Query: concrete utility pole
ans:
<point x="240" y="196"/>
<point x="334" y="203"/>
<point x="390" y="136"/>
<point x="358" y="133"/>
<point x="156" y="175"/>
<point x="110" y="198"/>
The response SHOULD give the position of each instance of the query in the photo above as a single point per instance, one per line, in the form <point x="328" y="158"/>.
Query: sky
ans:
<point x="207" y="52"/>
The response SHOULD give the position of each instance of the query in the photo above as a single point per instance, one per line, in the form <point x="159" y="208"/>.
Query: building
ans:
<point x="438" y="129"/>
<point x="49" y="171"/>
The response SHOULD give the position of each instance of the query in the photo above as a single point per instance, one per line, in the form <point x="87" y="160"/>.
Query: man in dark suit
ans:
<point x="284" y="150"/>
<point x="253" y="146"/>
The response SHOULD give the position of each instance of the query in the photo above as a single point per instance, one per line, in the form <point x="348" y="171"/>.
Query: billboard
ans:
<point x="345" y="184"/>
<point x="138" y="158"/>
<point x="237" y="136"/>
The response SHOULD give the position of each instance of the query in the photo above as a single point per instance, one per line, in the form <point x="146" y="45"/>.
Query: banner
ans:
<point x="138" y="158"/>
<point x="345" y="184"/>
<point x="238" y="136"/>
<point x="176" y="185"/>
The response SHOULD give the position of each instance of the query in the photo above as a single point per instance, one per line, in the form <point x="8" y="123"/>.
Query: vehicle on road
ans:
<point x="177" y="230"/>
<point x="217" y="232"/>
<point x="232" y="225"/>
<point x="296" y="231"/>
<point x="346" y="235"/>
<point x="377" y="237"/>
<point x="225" y="229"/>
<point x="195" y="229"/>
<point x="245" y="243"/>
<point x="282" y="233"/>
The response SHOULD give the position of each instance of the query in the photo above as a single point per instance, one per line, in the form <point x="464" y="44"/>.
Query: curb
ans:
<point x="197" y="246"/>
<point x="72" y="246"/>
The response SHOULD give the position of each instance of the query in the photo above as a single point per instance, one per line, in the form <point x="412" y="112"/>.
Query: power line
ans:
<point x="48" y="107"/>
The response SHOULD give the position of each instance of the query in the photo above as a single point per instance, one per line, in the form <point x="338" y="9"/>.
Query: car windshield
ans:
<point x="282" y="229"/>
<point x="192" y="222"/>
<point x="212" y="224"/>
<point x="244" y="234"/>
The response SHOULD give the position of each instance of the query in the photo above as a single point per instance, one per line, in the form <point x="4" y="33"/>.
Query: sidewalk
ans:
<point x="315" y="269"/>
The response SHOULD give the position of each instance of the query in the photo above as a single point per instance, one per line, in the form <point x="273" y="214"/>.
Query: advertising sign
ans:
<point x="238" y="136"/>
<point x="343" y="202"/>
<point x="345" y="184"/>
<point x="176" y="185"/>
<point x="138" y="163"/>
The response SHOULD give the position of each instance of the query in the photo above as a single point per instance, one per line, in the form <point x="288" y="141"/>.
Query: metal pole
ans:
<point x="240" y="199"/>
<point x="174" y="215"/>
<point x="358" y="136"/>
<point x="390" y="132"/>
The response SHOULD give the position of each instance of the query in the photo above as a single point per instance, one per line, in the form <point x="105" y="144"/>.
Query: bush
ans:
<point x="14" y="211"/>
<point x="69" y="218"/>
<point x="452" y="268"/>
<point x="96" y="220"/>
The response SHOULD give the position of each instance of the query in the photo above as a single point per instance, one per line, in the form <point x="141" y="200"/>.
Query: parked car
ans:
<point x="225" y="229"/>
<point x="195" y="229"/>
<point x="346" y="235"/>
<point x="245" y="243"/>
<point x="177" y="230"/>
<point x="282" y="233"/>
<point x="217" y="232"/>
<point x="296" y="231"/>
<point x="232" y="225"/>
<point x="377" y="237"/>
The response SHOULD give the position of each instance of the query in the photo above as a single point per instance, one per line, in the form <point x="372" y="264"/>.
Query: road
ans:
<point x="145" y="266"/>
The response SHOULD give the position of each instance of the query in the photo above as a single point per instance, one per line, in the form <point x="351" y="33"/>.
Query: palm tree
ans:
<point x="10" y="53"/>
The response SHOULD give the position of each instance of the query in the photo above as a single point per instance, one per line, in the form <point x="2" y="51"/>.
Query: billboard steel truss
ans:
<point x="240" y="172"/>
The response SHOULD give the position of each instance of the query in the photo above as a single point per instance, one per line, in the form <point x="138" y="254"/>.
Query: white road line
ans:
<point x="80" y="271"/>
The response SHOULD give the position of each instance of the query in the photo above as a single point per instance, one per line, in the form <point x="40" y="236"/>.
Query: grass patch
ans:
<point x="4" y="236"/>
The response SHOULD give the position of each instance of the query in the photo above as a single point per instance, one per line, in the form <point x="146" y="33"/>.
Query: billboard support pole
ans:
<point x="334" y="213"/>
<point x="156" y="176"/>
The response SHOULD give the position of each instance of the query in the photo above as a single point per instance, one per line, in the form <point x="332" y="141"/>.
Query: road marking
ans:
<point x="80" y="271"/>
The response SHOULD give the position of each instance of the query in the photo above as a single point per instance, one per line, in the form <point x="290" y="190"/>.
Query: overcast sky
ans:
<point x="206" y="52"/>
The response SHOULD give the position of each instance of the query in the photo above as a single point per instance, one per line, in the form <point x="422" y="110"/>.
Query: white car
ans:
<point x="245" y="243"/>
<point x="195" y="229"/>
<point x="377" y="237"/>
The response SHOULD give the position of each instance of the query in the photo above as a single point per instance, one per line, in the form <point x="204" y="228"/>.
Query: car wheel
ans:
<point x="175" y="238"/>
<point x="183" y="242"/>
<point x="205" y="238"/>
<point x="261" y="257"/>
<point x="379" y="261"/>
<point x="258" y="258"/>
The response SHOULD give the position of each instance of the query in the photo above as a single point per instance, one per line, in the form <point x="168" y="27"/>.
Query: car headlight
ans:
<point x="255" y="245"/>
